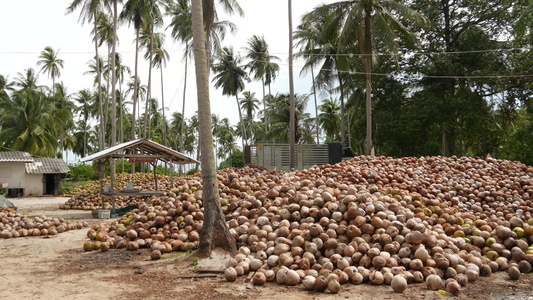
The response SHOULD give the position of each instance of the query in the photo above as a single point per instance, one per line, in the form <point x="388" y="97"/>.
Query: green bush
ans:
<point x="85" y="172"/>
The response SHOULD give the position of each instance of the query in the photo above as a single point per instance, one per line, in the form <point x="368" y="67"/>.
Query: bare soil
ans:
<point x="58" y="268"/>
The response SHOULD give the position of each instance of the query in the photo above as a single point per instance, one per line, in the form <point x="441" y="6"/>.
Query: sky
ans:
<point x="31" y="25"/>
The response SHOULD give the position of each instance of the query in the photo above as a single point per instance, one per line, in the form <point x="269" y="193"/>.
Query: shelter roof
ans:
<point x="47" y="166"/>
<point x="15" y="156"/>
<point x="141" y="147"/>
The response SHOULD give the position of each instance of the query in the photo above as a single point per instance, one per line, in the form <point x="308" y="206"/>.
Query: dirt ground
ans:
<point x="58" y="268"/>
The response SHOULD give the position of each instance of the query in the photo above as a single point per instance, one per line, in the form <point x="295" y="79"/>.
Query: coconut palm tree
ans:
<point x="51" y="64"/>
<point x="260" y="62"/>
<point x="370" y="23"/>
<point x="29" y="126"/>
<point x="318" y="37"/>
<point x="28" y="80"/>
<point x="138" y="12"/>
<point x="330" y="119"/>
<point x="160" y="60"/>
<point x="5" y="86"/>
<point x="307" y="35"/>
<point x="280" y="116"/>
<point x="84" y="98"/>
<point x="90" y="10"/>
<point x="215" y="232"/>
<point x="249" y="104"/>
<point x="230" y="75"/>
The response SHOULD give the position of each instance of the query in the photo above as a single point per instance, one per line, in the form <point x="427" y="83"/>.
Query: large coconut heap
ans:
<point x="87" y="197"/>
<point x="445" y="221"/>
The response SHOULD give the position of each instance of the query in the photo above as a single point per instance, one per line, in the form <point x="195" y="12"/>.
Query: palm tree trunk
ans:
<point x="135" y="93"/>
<point x="183" y="111"/>
<point x="99" y="78"/>
<point x="316" y="107"/>
<point x="215" y="232"/>
<point x="106" y="102"/>
<point x="163" y="108"/>
<point x="264" y="104"/>
<point x="243" y="131"/>
<point x="149" y="89"/>
<point x="113" y="92"/>
<point x="368" y="69"/>
<point x="291" y="88"/>
<point x="343" y="124"/>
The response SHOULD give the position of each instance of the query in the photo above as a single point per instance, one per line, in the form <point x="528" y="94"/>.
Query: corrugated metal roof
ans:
<point x="15" y="156"/>
<point x="144" y="146"/>
<point x="47" y="166"/>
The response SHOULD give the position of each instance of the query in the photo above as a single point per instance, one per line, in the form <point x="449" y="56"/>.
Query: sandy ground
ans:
<point x="58" y="268"/>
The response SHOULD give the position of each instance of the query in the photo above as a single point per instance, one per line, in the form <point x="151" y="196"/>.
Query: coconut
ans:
<point x="399" y="283"/>
<point x="230" y="274"/>
<point x="434" y="282"/>
<point x="259" y="278"/>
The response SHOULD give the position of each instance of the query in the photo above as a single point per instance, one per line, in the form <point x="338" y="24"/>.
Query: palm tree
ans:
<point x="28" y="80"/>
<point x="230" y="75"/>
<point x="51" y="64"/>
<point x="153" y="19"/>
<point x="370" y="23"/>
<point x="84" y="98"/>
<point x="260" y="62"/>
<point x="215" y="232"/>
<point x="318" y="37"/>
<point x="280" y="116"/>
<point x="249" y="103"/>
<point x="138" y="13"/>
<point x="160" y="60"/>
<point x="307" y="35"/>
<point x="90" y="10"/>
<point x="5" y="86"/>
<point x="29" y="126"/>
<point x="330" y="119"/>
<point x="226" y="137"/>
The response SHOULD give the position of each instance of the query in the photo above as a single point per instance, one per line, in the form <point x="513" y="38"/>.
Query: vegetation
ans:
<point x="399" y="78"/>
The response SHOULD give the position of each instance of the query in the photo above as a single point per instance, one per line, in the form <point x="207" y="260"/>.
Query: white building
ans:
<point x="31" y="176"/>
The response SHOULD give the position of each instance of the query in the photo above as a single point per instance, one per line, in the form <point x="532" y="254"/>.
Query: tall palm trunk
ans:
<point x="368" y="69"/>
<point x="135" y="93"/>
<point x="99" y="78"/>
<point x="264" y="104"/>
<point x="183" y="111"/>
<point x="291" y="88"/>
<point x="316" y="108"/>
<point x="242" y="122"/>
<point x="215" y="232"/>
<point x="163" y="108"/>
<point x="149" y="89"/>
<point x="106" y="102"/>
<point x="113" y="91"/>
<point x="343" y="124"/>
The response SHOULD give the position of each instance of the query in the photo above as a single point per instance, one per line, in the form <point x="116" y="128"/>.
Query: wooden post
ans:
<point x="113" y="206"/>
<point x="155" y="175"/>
<point x="101" y="166"/>
<point x="171" y="174"/>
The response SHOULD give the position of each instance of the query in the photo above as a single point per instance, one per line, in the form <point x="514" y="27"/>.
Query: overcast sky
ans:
<point x="31" y="25"/>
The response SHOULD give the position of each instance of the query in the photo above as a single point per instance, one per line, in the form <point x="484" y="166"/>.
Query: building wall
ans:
<point x="14" y="174"/>
<point x="34" y="185"/>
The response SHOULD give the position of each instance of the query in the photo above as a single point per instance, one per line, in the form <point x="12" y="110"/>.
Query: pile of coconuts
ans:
<point x="444" y="221"/>
<point x="87" y="197"/>
<point x="14" y="225"/>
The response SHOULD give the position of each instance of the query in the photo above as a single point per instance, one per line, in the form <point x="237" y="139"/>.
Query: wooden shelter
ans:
<point x="137" y="151"/>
